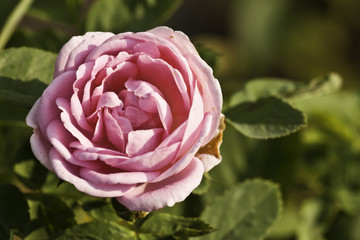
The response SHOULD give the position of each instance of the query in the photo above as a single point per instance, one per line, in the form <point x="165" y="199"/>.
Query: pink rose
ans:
<point x="126" y="116"/>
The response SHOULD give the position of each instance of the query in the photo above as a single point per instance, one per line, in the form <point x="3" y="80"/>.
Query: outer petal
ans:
<point x="210" y="153"/>
<point x="117" y="178"/>
<point x="179" y="39"/>
<point x="211" y="91"/>
<point x="209" y="161"/>
<point x="186" y="158"/>
<point x="40" y="148"/>
<point x="31" y="118"/>
<point x="69" y="173"/>
<point x="60" y="87"/>
<point x="153" y="196"/>
<point x="83" y="45"/>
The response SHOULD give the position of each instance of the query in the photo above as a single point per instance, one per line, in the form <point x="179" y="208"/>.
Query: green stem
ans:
<point x="13" y="20"/>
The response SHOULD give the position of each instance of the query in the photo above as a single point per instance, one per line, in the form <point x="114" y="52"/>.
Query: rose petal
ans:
<point x="163" y="76"/>
<point x="124" y="123"/>
<point x="70" y="173"/>
<point x="89" y="98"/>
<point x="151" y="100"/>
<point x="40" y="148"/>
<point x="152" y="196"/>
<point x="31" y="118"/>
<point x="185" y="159"/>
<point x="73" y="53"/>
<point x="210" y="153"/>
<point x="85" y="155"/>
<point x="195" y="118"/>
<point x="151" y="161"/>
<point x="81" y="91"/>
<point x="141" y="88"/>
<point x="149" y="48"/>
<point x="175" y="136"/>
<point x="59" y="87"/>
<point x="109" y="100"/>
<point x="64" y="106"/>
<point x="115" y="81"/>
<point x="171" y="54"/>
<point x="99" y="132"/>
<point x="209" y="161"/>
<point x="136" y="116"/>
<point x="178" y="38"/>
<point x="211" y="91"/>
<point x="114" y="133"/>
<point x="112" y="46"/>
<point x="103" y="153"/>
<point x="163" y="109"/>
<point x="78" y="113"/>
<point x="117" y="178"/>
<point x="142" y="141"/>
<point x="60" y="139"/>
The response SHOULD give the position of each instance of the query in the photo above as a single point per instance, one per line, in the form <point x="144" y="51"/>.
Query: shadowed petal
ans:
<point x="117" y="178"/>
<point x="70" y="173"/>
<point x="40" y="148"/>
<point x="152" y="196"/>
<point x="31" y="118"/>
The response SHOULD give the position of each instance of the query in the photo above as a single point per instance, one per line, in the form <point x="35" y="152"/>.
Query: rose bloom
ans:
<point x="130" y="116"/>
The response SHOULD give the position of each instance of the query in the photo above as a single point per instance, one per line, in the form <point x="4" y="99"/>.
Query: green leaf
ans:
<point x="31" y="173"/>
<point x="14" y="146"/>
<point x="287" y="89"/>
<point x="13" y="115"/>
<point x="24" y="74"/>
<point x="318" y="86"/>
<point x="349" y="200"/>
<point x="204" y="185"/>
<point x="246" y="212"/>
<point x="163" y="225"/>
<point x="124" y="213"/>
<point x="5" y="232"/>
<point x="39" y="233"/>
<point x="266" y="118"/>
<point x="19" y="93"/>
<point x="96" y="231"/>
<point x="309" y="222"/>
<point x="129" y="15"/>
<point x="58" y="187"/>
<point x="286" y="225"/>
<point x="14" y="209"/>
<point x="27" y="64"/>
<point x="54" y="213"/>
<point x="100" y="210"/>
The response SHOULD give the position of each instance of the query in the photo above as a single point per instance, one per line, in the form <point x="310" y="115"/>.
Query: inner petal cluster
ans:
<point x="124" y="106"/>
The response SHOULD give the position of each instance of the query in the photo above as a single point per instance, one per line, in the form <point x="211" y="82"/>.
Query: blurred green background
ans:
<point x="318" y="169"/>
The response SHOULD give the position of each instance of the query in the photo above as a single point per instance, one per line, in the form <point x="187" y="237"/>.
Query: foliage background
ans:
<point x="317" y="168"/>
